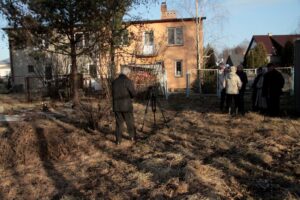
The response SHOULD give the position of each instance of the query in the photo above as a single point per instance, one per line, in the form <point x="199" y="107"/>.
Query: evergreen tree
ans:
<point x="210" y="61"/>
<point x="257" y="56"/>
<point x="58" y="23"/>
<point x="250" y="59"/>
<point x="288" y="54"/>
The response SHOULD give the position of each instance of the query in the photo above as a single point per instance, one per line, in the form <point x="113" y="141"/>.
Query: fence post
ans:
<point x="188" y="84"/>
<point x="293" y="81"/>
<point x="218" y="89"/>
<point x="297" y="75"/>
<point x="166" y="84"/>
<point x="27" y="81"/>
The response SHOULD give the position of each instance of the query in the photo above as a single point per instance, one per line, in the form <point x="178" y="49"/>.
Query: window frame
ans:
<point x="175" y="36"/>
<point x="81" y="42"/>
<point x="30" y="69"/>
<point x="96" y="71"/>
<point x="175" y="68"/>
<point x="151" y="32"/>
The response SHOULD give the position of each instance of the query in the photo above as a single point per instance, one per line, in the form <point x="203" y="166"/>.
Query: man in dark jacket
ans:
<point x="272" y="89"/>
<point x="244" y="79"/>
<point x="123" y="92"/>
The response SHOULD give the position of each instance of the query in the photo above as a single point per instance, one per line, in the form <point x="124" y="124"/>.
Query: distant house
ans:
<point x="235" y="59"/>
<point x="274" y="45"/>
<point x="4" y="68"/>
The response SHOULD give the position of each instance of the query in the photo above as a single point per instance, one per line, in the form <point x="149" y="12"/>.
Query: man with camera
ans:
<point x="123" y="92"/>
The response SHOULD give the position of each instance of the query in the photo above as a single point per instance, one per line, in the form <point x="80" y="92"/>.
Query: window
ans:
<point x="79" y="38"/>
<point x="68" y="69"/>
<point x="124" y="38"/>
<point x="178" y="68"/>
<point x="48" y="72"/>
<point x="30" y="69"/>
<point x="148" y="48"/>
<point x="148" y="38"/>
<point x="93" y="71"/>
<point x="175" y="36"/>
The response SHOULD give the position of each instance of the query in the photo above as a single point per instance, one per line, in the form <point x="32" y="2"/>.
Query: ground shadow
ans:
<point x="62" y="185"/>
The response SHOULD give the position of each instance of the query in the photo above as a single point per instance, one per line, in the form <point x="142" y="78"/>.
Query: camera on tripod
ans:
<point x="152" y="99"/>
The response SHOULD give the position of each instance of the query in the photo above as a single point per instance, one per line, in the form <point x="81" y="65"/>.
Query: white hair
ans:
<point x="125" y="70"/>
<point x="232" y="69"/>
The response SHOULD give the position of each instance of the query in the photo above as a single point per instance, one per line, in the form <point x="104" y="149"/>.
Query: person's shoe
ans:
<point x="118" y="142"/>
<point x="133" y="139"/>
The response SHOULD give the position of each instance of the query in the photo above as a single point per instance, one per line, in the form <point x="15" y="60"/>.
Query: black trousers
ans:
<point x="241" y="102"/>
<point x="129" y="120"/>
<point x="230" y="98"/>
<point x="223" y="97"/>
<point x="273" y="105"/>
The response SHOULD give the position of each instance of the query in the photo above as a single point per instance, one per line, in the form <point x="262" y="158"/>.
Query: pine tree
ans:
<point x="57" y="22"/>
<point x="288" y="54"/>
<point x="257" y="56"/>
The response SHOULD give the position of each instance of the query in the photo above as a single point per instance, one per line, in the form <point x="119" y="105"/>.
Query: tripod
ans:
<point x="152" y="99"/>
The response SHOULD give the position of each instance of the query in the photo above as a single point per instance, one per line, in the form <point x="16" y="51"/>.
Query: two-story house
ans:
<point x="167" y="45"/>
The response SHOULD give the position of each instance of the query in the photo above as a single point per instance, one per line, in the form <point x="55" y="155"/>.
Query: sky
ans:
<point x="228" y="22"/>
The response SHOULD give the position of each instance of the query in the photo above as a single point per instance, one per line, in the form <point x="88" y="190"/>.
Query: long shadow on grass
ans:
<point x="261" y="180"/>
<point x="60" y="182"/>
<point x="12" y="163"/>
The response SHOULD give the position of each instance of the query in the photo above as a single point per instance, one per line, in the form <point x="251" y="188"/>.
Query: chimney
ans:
<point x="163" y="10"/>
<point x="165" y="14"/>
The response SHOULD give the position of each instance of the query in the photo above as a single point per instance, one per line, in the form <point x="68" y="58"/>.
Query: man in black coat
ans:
<point x="272" y="89"/>
<point x="123" y="92"/>
<point x="244" y="79"/>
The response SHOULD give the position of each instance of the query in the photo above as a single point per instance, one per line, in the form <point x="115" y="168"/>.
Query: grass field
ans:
<point x="204" y="154"/>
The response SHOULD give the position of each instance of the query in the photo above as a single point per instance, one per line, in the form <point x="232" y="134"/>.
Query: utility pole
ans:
<point x="199" y="23"/>
<point x="198" y="46"/>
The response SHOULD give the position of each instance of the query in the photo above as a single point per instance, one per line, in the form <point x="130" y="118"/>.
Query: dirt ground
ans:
<point x="204" y="154"/>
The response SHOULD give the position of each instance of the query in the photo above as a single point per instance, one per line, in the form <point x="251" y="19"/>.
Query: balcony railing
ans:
<point x="147" y="50"/>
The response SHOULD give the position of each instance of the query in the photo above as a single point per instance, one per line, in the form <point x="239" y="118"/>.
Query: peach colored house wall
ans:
<point x="165" y="52"/>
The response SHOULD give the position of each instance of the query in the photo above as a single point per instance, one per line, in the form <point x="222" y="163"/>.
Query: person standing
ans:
<point x="259" y="101"/>
<point x="123" y="92"/>
<point x="243" y="76"/>
<point x="222" y="91"/>
<point x="232" y="84"/>
<point x="272" y="89"/>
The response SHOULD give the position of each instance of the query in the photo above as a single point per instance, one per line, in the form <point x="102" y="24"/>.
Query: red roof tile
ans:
<point x="266" y="40"/>
<point x="282" y="39"/>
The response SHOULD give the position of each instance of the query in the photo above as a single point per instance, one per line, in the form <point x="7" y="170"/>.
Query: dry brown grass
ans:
<point x="203" y="155"/>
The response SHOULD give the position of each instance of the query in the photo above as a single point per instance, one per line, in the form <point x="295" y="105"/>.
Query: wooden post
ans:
<point x="187" y="84"/>
<point x="27" y="81"/>
<point x="297" y="74"/>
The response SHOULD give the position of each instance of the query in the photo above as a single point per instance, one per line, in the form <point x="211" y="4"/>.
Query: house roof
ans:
<point x="282" y="39"/>
<point x="266" y="40"/>
<point x="139" y="22"/>
<point x="272" y="42"/>
<point x="162" y="20"/>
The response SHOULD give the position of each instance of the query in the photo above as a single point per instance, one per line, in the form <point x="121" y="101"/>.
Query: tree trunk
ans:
<point x="74" y="76"/>
<point x="112" y="62"/>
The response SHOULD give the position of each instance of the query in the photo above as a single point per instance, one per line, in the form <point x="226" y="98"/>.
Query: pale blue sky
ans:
<point x="229" y="22"/>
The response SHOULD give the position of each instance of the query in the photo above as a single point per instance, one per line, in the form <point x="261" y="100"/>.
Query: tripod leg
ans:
<point x="162" y="113"/>
<point x="146" y="111"/>
<point x="154" y="118"/>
